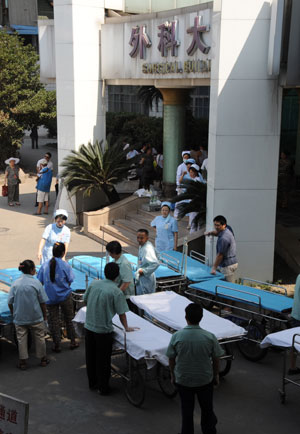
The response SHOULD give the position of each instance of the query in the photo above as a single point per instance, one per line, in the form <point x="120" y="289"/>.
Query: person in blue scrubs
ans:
<point x="57" y="275"/>
<point x="166" y="229"/>
<point x="56" y="232"/>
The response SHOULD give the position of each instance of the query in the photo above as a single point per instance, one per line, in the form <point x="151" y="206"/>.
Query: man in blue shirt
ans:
<point x="226" y="261"/>
<point x="194" y="364"/>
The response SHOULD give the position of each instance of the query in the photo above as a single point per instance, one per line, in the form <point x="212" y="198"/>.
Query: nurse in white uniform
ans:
<point x="56" y="232"/>
<point x="166" y="229"/>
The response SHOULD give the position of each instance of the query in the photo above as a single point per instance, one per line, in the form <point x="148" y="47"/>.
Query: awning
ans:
<point x="25" y="30"/>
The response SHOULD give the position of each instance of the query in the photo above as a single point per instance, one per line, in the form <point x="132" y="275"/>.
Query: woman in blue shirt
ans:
<point x="57" y="276"/>
<point x="166" y="229"/>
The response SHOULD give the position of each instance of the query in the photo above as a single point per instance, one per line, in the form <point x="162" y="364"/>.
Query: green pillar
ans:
<point x="173" y="135"/>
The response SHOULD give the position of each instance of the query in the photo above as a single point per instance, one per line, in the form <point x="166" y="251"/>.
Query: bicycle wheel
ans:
<point x="164" y="381"/>
<point x="225" y="364"/>
<point x="249" y="349"/>
<point x="135" y="388"/>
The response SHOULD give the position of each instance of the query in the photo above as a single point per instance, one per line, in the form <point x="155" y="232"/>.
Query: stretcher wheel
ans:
<point x="251" y="350"/>
<point x="164" y="381"/>
<point x="225" y="364"/>
<point x="135" y="388"/>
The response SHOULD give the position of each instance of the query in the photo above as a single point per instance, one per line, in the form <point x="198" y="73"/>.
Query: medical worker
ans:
<point x="56" y="232"/>
<point x="148" y="262"/>
<point x="194" y="175"/>
<point x="166" y="229"/>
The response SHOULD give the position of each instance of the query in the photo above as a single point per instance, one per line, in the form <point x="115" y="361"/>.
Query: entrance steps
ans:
<point x="121" y="221"/>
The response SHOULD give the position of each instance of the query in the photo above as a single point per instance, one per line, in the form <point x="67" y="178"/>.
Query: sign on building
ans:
<point x="175" y="46"/>
<point x="13" y="415"/>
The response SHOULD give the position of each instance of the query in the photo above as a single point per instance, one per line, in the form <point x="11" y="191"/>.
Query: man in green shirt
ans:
<point x="103" y="301"/>
<point x="194" y="364"/>
<point x="125" y="279"/>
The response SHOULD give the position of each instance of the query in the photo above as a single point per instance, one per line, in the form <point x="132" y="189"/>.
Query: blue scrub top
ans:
<point x="165" y="228"/>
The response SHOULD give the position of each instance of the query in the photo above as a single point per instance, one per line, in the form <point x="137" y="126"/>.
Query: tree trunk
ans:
<point x="111" y="193"/>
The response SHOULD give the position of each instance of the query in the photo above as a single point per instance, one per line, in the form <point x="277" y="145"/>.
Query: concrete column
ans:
<point x="244" y="133"/>
<point x="174" y="101"/>
<point x="80" y="107"/>
<point x="297" y="162"/>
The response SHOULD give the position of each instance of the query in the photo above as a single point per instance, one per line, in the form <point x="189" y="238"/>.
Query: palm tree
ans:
<point x="149" y="95"/>
<point x="93" y="168"/>
<point x="195" y="194"/>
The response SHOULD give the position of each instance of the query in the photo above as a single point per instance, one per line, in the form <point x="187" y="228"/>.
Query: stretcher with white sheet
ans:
<point x="260" y="311"/>
<point x="145" y="349"/>
<point x="168" y="309"/>
<point x="165" y="274"/>
<point x="288" y="340"/>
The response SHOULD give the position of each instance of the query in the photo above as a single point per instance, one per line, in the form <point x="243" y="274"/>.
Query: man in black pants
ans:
<point x="104" y="300"/>
<point x="194" y="364"/>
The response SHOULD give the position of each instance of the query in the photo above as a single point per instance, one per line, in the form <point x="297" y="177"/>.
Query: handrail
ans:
<point x="124" y="333"/>
<point x="199" y="257"/>
<point x="88" y="266"/>
<point x="239" y="290"/>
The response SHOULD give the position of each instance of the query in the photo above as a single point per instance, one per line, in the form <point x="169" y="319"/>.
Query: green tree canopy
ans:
<point x="23" y="100"/>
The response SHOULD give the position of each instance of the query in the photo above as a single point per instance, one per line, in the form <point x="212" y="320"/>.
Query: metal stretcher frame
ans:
<point x="135" y="387"/>
<point x="286" y="380"/>
<point x="257" y="320"/>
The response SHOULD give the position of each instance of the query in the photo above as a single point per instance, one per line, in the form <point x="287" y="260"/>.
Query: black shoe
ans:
<point x="104" y="392"/>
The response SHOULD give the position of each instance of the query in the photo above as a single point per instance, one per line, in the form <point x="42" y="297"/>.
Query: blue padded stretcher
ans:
<point x="94" y="266"/>
<point x="5" y="315"/>
<point x="196" y="271"/>
<point x="9" y="275"/>
<point x="253" y="296"/>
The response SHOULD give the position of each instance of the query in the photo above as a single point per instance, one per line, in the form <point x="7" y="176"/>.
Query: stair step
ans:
<point x="120" y="234"/>
<point x="133" y="226"/>
<point x="105" y="238"/>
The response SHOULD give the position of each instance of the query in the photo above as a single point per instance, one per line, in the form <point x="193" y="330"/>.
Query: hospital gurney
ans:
<point x="258" y="310"/>
<point x="168" y="309"/>
<point x="288" y="340"/>
<point x="94" y="268"/>
<point x="144" y="349"/>
<point x="7" y="330"/>
<point x="193" y="267"/>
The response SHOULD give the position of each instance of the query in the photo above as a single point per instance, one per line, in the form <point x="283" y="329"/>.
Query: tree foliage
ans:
<point x="195" y="194"/>
<point x="92" y="168"/>
<point x="23" y="100"/>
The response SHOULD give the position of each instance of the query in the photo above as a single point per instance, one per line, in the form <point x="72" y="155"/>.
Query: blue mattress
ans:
<point x="5" y="315"/>
<point x="268" y="300"/>
<point x="9" y="275"/>
<point x="94" y="266"/>
<point x="195" y="270"/>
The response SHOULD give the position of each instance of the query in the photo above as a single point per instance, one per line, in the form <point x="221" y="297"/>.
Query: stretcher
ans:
<point x="288" y="340"/>
<point x="193" y="267"/>
<point x="94" y="267"/>
<point x="168" y="309"/>
<point x="260" y="311"/>
<point x="6" y="324"/>
<point x="145" y="350"/>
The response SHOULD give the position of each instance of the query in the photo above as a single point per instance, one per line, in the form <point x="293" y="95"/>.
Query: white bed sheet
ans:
<point x="283" y="338"/>
<point x="168" y="308"/>
<point x="148" y="341"/>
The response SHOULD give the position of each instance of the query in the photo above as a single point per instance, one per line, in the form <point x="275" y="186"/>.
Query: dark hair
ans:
<point x="61" y="216"/>
<point x="111" y="271"/>
<point x="114" y="247"/>
<point x="193" y="169"/>
<point x="194" y="313"/>
<point x="58" y="251"/>
<point x="186" y="153"/>
<point x="26" y="266"/>
<point x="144" y="231"/>
<point x="220" y="219"/>
<point x="48" y="153"/>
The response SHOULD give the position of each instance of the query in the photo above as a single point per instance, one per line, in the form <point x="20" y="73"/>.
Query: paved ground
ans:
<point x="60" y="402"/>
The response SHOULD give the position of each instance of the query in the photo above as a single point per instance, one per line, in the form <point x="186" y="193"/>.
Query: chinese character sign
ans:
<point x="13" y="415"/>
<point x="139" y="40"/>
<point x="168" y="39"/>
<point x="196" y="31"/>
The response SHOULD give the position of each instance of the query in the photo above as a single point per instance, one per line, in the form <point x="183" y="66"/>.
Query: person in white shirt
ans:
<point x="47" y="157"/>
